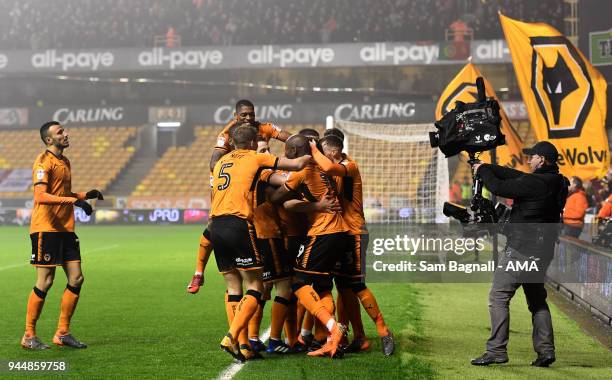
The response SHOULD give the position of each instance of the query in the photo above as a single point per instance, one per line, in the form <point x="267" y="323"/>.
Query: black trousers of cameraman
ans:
<point x="508" y="277"/>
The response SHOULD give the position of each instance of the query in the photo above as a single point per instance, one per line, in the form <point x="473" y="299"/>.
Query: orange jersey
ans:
<point x="265" y="215"/>
<point x="234" y="179"/>
<point x="292" y="223"/>
<point x="224" y="139"/>
<point x="313" y="184"/>
<point x="266" y="132"/>
<point x="347" y="175"/>
<point x="351" y="195"/>
<point x="55" y="173"/>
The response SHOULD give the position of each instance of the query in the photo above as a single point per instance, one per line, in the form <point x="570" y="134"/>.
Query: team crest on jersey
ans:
<point x="47" y="257"/>
<point x="40" y="174"/>
<point x="561" y="86"/>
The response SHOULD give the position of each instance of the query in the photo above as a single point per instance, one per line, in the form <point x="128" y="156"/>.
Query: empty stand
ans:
<point x="97" y="155"/>
<point x="184" y="171"/>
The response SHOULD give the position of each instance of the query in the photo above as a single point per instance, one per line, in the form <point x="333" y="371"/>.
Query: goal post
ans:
<point x="404" y="179"/>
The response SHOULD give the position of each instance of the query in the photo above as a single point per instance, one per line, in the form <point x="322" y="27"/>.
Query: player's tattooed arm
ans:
<point x="216" y="156"/>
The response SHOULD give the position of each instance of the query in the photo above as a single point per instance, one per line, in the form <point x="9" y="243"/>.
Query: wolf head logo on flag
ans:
<point x="564" y="94"/>
<point x="559" y="78"/>
<point x="561" y="84"/>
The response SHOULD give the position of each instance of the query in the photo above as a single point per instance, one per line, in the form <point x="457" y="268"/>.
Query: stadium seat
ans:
<point x="96" y="161"/>
<point x="185" y="170"/>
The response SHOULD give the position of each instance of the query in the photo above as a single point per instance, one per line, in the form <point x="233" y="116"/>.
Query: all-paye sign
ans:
<point x="244" y="57"/>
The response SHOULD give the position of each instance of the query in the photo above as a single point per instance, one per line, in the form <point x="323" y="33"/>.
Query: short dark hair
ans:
<point x="244" y="134"/>
<point x="333" y="141"/>
<point x="334" y="132"/>
<point x="578" y="181"/>
<point x="44" y="129"/>
<point x="244" y="103"/>
<point x="309" y="132"/>
<point x="231" y="130"/>
<point x="300" y="143"/>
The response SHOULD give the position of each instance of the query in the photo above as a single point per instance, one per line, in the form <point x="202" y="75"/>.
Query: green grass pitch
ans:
<point x="139" y="321"/>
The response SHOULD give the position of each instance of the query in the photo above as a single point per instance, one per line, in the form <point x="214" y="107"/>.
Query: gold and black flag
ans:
<point x="564" y="96"/>
<point x="463" y="88"/>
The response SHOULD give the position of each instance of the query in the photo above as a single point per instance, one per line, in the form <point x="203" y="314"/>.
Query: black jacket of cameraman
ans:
<point x="539" y="198"/>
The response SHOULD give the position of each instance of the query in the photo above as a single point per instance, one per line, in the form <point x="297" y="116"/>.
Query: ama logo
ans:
<point x="561" y="86"/>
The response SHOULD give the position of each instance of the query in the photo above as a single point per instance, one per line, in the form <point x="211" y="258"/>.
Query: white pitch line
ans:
<point x="12" y="266"/>
<point x="99" y="249"/>
<point x="231" y="371"/>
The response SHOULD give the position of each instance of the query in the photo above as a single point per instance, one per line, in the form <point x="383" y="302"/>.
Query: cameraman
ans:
<point x="532" y="230"/>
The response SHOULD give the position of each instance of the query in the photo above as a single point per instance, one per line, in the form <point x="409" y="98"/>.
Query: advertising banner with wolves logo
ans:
<point x="463" y="88"/>
<point x="564" y="95"/>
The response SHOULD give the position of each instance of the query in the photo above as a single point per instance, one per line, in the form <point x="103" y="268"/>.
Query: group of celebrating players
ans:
<point x="294" y="223"/>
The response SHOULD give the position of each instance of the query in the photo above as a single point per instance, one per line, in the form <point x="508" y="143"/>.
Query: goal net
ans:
<point x="404" y="180"/>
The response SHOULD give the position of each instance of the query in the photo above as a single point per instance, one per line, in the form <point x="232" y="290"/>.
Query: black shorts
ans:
<point x="292" y="245"/>
<point x="234" y="243"/>
<point x="276" y="261"/>
<point x="206" y="234"/>
<point x="319" y="254"/>
<point x="51" y="249"/>
<point x="353" y="264"/>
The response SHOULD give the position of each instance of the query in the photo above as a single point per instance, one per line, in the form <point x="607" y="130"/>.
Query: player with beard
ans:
<point x="54" y="242"/>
